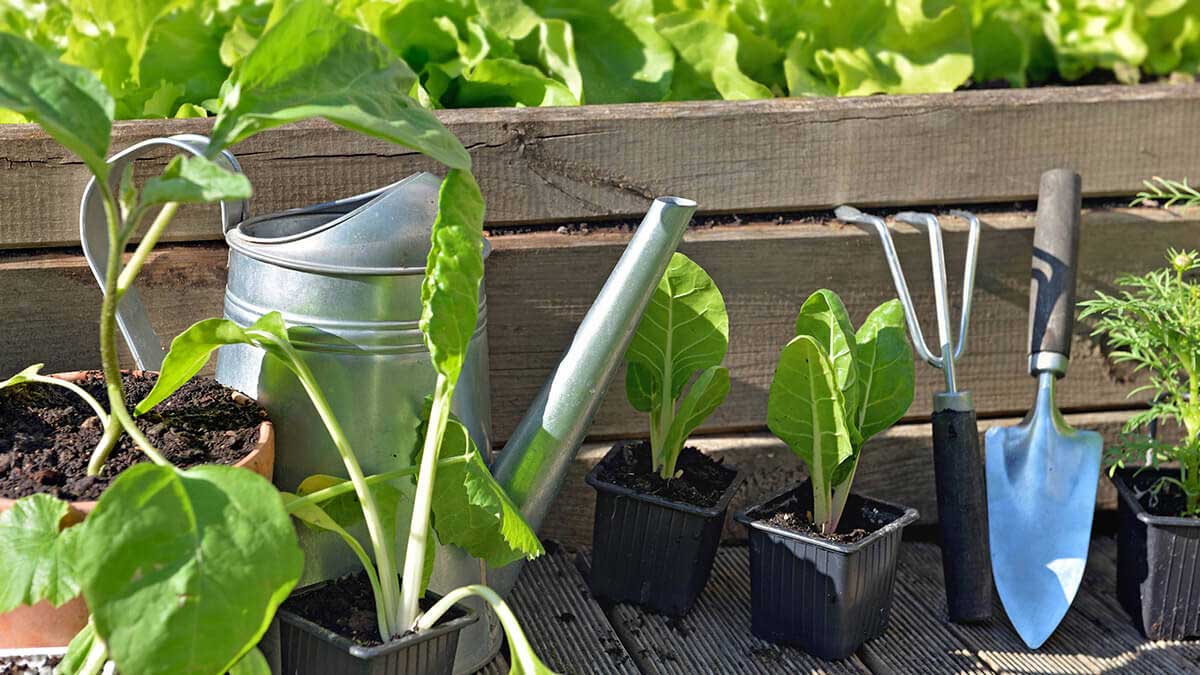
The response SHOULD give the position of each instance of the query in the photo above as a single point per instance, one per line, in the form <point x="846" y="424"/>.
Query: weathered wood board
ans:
<point x="550" y="164"/>
<point x="896" y="465"/>
<point x="540" y="285"/>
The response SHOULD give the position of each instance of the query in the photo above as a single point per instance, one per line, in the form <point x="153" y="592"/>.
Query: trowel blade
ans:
<point x="1041" y="488"/>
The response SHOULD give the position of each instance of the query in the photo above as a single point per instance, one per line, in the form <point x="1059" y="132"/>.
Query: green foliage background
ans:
<point x="164" y="58"/>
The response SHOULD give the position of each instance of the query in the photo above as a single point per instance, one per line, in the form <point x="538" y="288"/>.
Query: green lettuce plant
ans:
<point x="682" y="338"/>
<point x="834" y="389"/>
<point x="1154" y="324"/>
<point x="218" y="538"/>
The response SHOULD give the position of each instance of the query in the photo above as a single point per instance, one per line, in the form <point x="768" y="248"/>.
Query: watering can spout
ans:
<point x="535" y="460"/>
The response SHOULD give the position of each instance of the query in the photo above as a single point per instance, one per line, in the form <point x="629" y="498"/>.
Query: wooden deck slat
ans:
<point x="544" y="164"/>
<point x="715" y="636"/>
<point x="1094" y="637"/>
<point x="565" y="626"/>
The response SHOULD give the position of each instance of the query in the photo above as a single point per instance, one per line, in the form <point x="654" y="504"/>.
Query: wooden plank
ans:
<point x="896" y="465"/>
<point x="1094" y="637"/>
<point x="554" y="164"/>
<point x="540" y="285"/>
<point x="564" y="624"/>
<point x="715" y="635"/>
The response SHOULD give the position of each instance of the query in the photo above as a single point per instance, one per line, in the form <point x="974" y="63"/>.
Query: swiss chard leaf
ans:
<point x="167" y="555"/>
<point x="701" y="399"/>
<point x="189" y="179"/>
<point x="311" y="63"/>
<point x="453" y="272"/>
<point x="824" y="318"/>
<point x="472" y="511"/>
<point x="806" y="410"/>
<point x="642" y="387"/>
<point x="191" y="350"/>
<point x="886" y="371"/>
<point x="685" y="327"/>
<point x="68" y="102"/>
<point x="36" y="564"/>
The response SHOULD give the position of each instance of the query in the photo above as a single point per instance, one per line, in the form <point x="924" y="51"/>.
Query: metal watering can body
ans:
<point x="346" y="277"/>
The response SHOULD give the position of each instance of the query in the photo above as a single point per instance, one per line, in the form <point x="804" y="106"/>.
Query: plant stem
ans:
<point x="149" y="240"/>
<point x="385" y="551"/>
<point x="78" y="391"/>
<point x="97" y="655"/>
<point x="110" y="361"/>
<point x="840" y="494"/>
<point x="418" y="531"/>
<point x="342" y="488"/>
<point x="518" y="645"/>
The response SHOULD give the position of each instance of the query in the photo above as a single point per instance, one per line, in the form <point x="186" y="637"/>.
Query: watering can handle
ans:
<point x="93" y="233"/>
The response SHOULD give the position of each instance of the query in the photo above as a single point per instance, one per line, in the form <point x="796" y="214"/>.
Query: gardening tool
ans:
<point x="346" y="276"/>
<point x="958" y="464"/>
<point x="1041" y="473"/>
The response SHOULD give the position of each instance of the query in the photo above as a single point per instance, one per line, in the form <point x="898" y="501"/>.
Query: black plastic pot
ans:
<point x="309" y="649"/>
<point x="1158" y="563"/>
<point x="650" y="551"/>
<point x="824" y="597"/>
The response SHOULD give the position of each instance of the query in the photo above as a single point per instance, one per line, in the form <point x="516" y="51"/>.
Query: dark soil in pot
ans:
<point x="654" y="540"/>
<point x="824" y="594"/>
<point x="1158" y="556"/>
<point x="330" y="629"/>
<point x="47" y="433"/>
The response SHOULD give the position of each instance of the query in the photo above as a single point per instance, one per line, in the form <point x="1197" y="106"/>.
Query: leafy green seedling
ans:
<point x="684" y="334"/>
<point x="834" y="389"/>
<point x="1155" y="325"/>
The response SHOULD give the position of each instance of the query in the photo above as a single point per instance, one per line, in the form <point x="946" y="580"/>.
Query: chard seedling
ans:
<point x="834" y="389"/>
<point x="1155" y="325"/>
<point x="684" y="334"/>
<point x="218" y="537"/>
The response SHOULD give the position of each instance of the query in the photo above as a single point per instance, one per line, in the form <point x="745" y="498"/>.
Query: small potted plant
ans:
<point x="660" y="505"/>
<point x="1154" y="324"/>
<point x="822" y="559"/>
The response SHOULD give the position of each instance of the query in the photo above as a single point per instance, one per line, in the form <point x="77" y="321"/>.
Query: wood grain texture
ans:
<point x="540" y="285"/>
<point x="896" y="466"/>
<point x="537" y="165"/>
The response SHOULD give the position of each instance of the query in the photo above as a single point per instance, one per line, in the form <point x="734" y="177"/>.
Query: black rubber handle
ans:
<point x="1055" y="254"/>
<point x="962" y="516"/>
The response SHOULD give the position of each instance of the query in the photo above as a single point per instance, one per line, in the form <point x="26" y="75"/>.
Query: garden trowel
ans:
<point x="1041" y="473"/>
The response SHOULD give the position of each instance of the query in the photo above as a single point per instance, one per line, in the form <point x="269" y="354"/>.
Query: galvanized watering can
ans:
<point x="347" y="274"/>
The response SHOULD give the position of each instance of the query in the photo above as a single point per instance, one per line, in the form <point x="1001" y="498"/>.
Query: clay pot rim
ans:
<point x="265" y="444"/>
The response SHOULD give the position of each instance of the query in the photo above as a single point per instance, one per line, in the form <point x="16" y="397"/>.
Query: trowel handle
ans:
<point x="962" y="515"/>
<point x="1055" y="254"/>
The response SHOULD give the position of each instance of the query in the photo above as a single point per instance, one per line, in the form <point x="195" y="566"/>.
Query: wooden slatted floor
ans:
<point x="575" y="634"/>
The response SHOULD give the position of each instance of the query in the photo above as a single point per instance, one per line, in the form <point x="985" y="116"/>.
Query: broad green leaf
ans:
<point x="805" y="409"/>
<point x="642" y="387"/>
<point x="620" y="60"/>
<point x="189" y="179"/>
<point x="36" y="564"/>
<point x="701" y="399"/>
<point x="311" y="63"/>
<point x="885" y="367"/>
<point x="24" y="376"/>
<point x="77" y="651"/>
<point x="685" y="327"/>
<point x="191" y="350"/>
<point x="472" y="511"/>
<point x="453" y="272"/>
<point x="711" y="51"/>
<point x="345" y="509"/>
<point x="167" y="555"/>
<point x="824" y="318"/>
<point x="253" y="663"/>
<point x="506" y="83"/>
<point x="68" y="102"/>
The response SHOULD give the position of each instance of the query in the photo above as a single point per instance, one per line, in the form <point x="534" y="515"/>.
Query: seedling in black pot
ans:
<point x="823" y="560"/>
<point x="661" y="506"/>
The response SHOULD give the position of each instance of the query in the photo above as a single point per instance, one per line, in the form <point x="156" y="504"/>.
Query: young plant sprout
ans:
<point x="834" y="389"/>
<point x="1154" y="324"/>
<point x="1166" y="193"/>
<point x="684" y="334"/>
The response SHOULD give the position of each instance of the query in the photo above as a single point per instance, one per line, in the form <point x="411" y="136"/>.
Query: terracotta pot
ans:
<point x="42" y="624"/>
